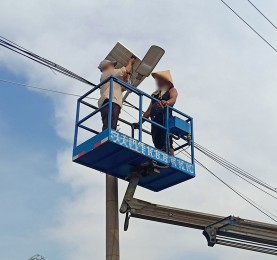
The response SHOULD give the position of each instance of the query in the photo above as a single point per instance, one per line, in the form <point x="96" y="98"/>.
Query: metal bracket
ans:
<point x="211" y="231"/>
<point x="210" y="234"/>
<point x="146" y="169"/>
<point x="129" y="194"/>
<point x="127" y="219"/>
<point x="136" y="174"/>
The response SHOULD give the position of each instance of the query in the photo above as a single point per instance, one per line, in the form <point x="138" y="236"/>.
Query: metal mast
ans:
<point x="112" y="230"/>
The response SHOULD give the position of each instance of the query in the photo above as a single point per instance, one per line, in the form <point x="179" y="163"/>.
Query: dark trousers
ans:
<point x="159" y="135"/>
<point x="115" y="115"/>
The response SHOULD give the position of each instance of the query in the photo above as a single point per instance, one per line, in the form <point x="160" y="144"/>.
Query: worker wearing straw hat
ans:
<point x="167" y="94"/>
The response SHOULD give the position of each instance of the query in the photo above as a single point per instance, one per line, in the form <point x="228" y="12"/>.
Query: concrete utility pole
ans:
<point x="112" y="230"/>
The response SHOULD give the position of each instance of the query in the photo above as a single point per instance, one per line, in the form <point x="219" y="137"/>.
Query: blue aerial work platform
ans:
<point x="122" y="155"/>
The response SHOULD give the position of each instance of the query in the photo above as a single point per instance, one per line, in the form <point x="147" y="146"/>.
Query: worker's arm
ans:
<point x="130" y="65"/>
<point x="128" y="70"/>
<point x="123" y="72"/>
<point x="173" y="97"/>
<point x="126" y="78"/>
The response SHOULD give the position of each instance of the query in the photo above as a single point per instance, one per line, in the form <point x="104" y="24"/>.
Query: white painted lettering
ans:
<point x="150" y="151"/>
<point x="165" y="157"/>
<point x="124" y="140"/>
<point x="115" y="136"/>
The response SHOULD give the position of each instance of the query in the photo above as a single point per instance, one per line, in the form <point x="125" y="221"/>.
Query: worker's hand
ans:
<point x="163" y="103"/>
<point x="130" y="64"/>
<point x="133" y="60"/>
<point x="136" y="125"/>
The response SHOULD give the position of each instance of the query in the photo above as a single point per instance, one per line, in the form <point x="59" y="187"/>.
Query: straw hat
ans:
<point x="165" y="75"/>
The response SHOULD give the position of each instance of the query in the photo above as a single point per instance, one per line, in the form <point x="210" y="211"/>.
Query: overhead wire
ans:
<point x="243" y="178"/>
<point x="254" y="204"/>
<point x="40" y="62"/>
<point x="126" y="103"/>
<point x="244" y="197"/>
<point x="30" y="55"/>
<point x="42" y="89"/>
<point x="233" y="167"/>
<point x="26" y="51"/>
<point x="262" y="14"/>
<point x="255" y="31"/>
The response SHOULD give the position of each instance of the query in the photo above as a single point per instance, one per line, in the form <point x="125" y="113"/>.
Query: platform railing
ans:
<point x="141" y="95"/>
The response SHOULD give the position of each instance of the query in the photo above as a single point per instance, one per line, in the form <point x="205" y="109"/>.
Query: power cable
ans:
<point x="30" y="55"/>
<point x="42" y="89"/>
<point x="20" y="48"/>
<point x="254" y="204"/>
<point x="262" y="14"/>
<point x="238" y="174"/>
<point x="130" y="105"/>
<point x="249" y="26"/>
<point x="233" y="167"/>
<point x="251" y="202"/>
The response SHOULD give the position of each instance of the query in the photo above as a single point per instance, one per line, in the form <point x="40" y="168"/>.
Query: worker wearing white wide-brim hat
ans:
<point x="108" y="69"/>
<point x="167" y="94"/>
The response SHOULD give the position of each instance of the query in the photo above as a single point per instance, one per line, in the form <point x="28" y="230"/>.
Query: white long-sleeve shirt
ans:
<point x="117" y="89"/>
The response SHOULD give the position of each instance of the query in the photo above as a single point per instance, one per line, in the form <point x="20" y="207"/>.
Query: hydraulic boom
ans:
<point x="228" y="231"/>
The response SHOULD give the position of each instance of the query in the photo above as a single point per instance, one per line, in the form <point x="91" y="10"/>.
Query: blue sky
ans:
<point x="226" y="78"/>
<point x="29" y="187"/>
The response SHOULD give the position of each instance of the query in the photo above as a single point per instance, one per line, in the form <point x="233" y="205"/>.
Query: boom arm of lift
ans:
<point x="228" y="231"/>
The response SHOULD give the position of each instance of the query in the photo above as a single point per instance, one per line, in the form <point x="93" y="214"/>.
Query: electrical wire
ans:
<point x="267" y="42"/>
<point x="233" y="167"/>
<point x="262" y="14"/>
<point x="42" y="89"/>
<point x="28" y="54"/>
<point x="126" y="103"/>
<point x="243" y="178"/>
<point x="244" y="197"/>
<point x="254" y="204"/>
<point x="130" y="115"/>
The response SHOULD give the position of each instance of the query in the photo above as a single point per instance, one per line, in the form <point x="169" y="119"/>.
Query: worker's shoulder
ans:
<point x="114" y="72"/>
<point x="120" y="71"/>
<point x="173" y="90"/>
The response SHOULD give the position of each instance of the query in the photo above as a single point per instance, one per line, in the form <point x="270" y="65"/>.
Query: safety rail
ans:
<point x="83" y="100"/>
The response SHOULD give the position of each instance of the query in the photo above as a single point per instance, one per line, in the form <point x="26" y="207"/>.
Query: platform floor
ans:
<point x="117" y="154"/>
